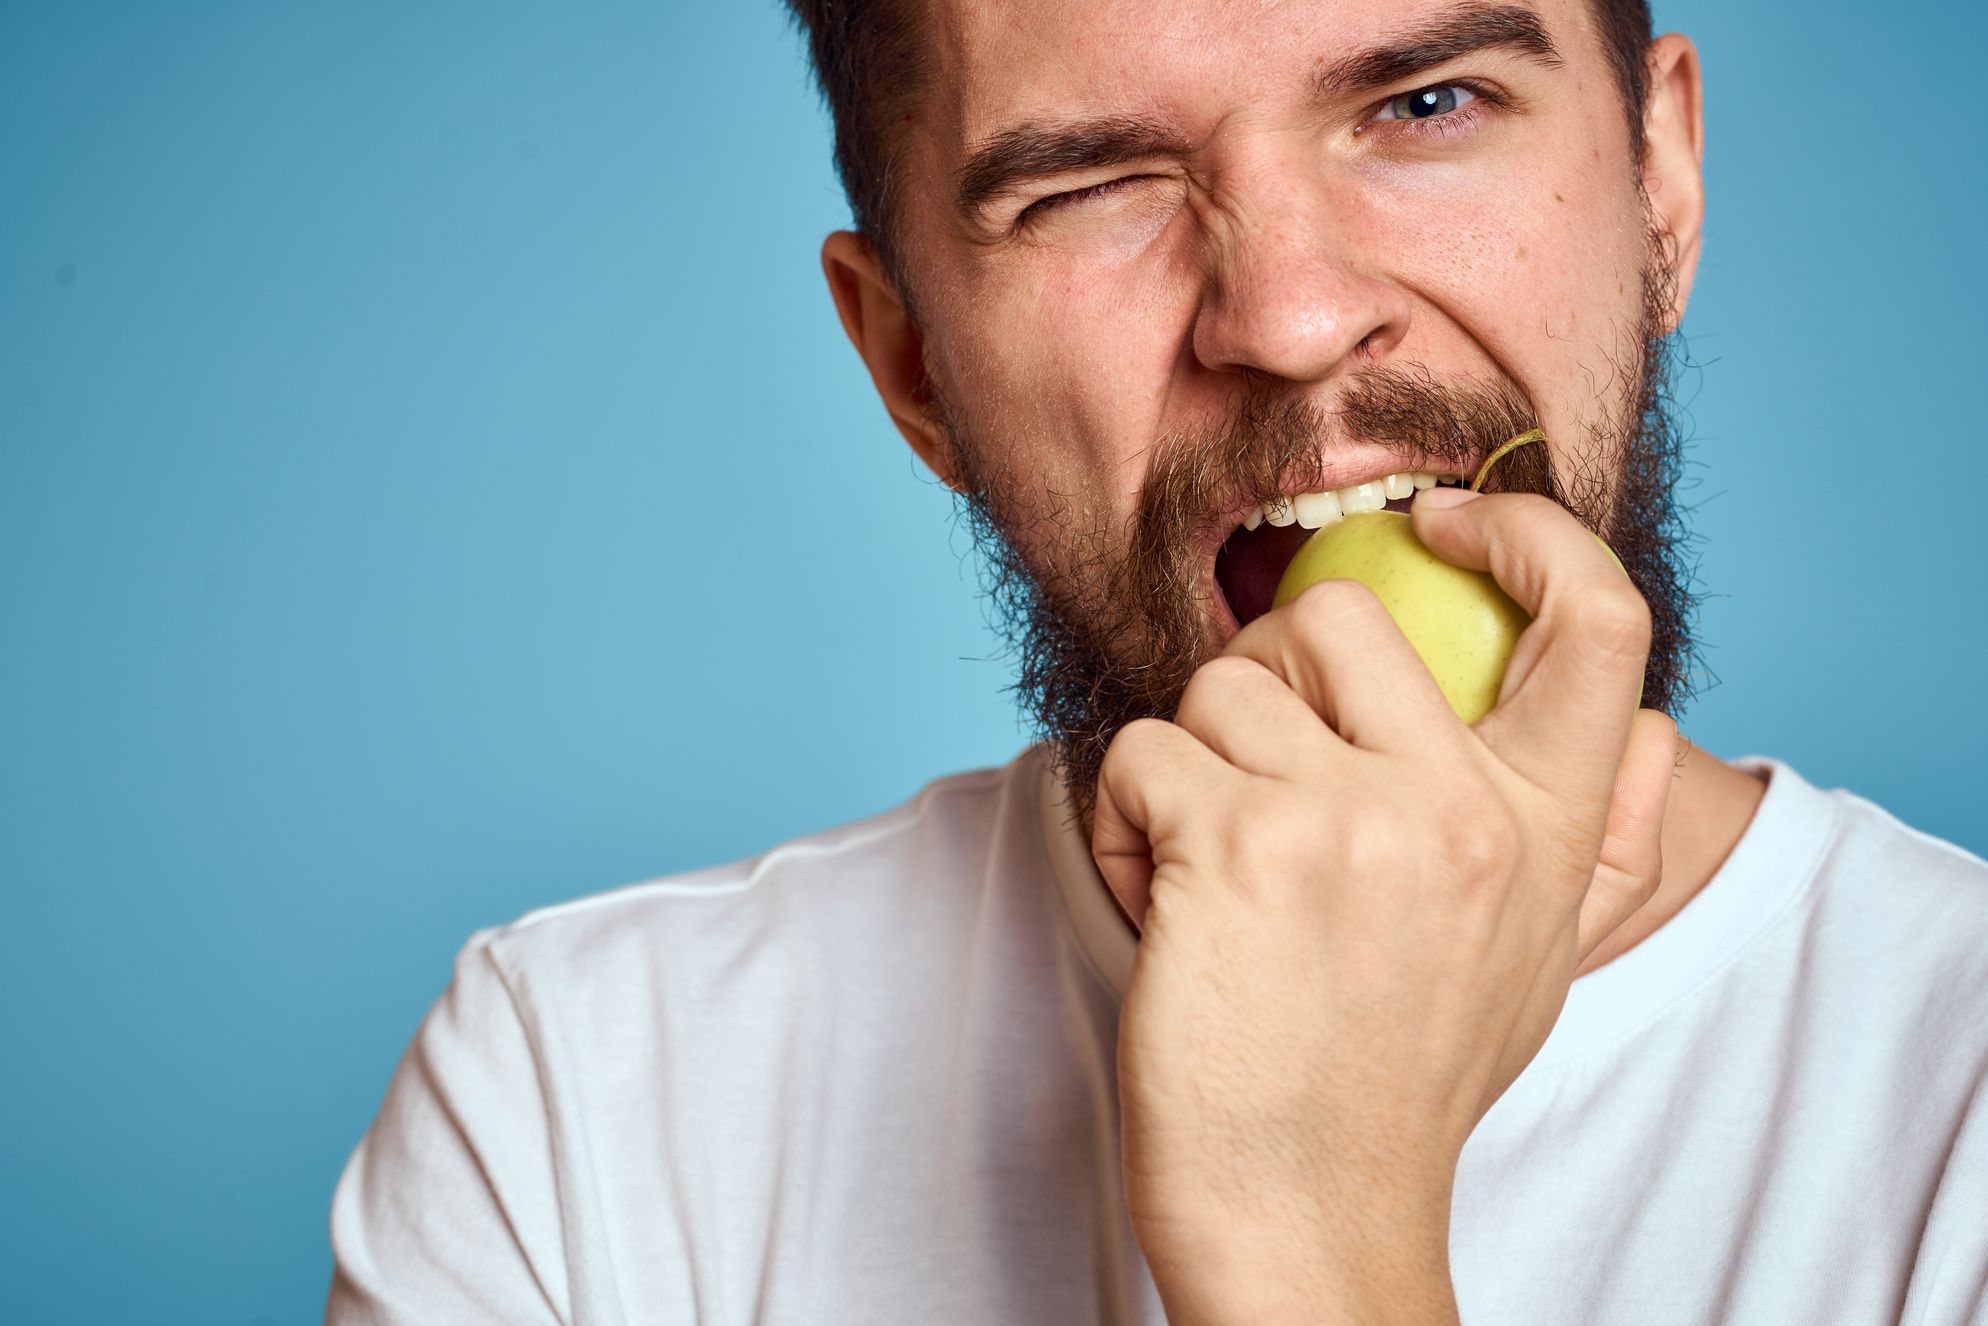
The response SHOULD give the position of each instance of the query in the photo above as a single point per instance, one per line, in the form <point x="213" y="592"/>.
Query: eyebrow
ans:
<point x="1035" y="149"/>
<point x="1465" y="32"/>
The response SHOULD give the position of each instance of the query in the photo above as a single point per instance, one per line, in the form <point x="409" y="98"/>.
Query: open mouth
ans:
<point x="1253" y="559"/>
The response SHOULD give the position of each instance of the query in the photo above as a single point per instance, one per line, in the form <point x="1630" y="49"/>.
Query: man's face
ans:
<point x="1170" y="257"/>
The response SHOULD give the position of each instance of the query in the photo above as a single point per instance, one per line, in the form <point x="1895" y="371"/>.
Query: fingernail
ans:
<point x="1440" y="498"/>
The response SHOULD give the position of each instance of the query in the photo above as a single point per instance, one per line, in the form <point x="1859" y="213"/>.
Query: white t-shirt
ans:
<point x="868" y="1078"/>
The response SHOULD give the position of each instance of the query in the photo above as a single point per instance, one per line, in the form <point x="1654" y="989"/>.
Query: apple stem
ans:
<point x="1484" y="470"/>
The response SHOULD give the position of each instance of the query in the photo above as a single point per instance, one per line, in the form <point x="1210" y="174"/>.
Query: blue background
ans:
<point x="433" y="484"/>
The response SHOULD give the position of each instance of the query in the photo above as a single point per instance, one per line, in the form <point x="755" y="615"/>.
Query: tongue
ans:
<point x="1251" y="563"/>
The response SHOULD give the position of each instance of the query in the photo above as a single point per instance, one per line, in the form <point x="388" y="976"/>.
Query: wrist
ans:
<point x="1383" y="1268"/>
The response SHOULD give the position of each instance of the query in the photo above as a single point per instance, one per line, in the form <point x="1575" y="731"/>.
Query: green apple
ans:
<point x="1459" y="621"/>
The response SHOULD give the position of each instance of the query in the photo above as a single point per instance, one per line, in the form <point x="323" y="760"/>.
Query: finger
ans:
<point x="1625" y="878"/>
<point x="1632" y="859"/>
<point x="1338" y="650"/>
<point x="1156" y="775"/>
<point x="1575" y="679"/>
<point x="1248" y="715"/>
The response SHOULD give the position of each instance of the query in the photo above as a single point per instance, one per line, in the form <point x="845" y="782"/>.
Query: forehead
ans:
<point x="999" y="62"/>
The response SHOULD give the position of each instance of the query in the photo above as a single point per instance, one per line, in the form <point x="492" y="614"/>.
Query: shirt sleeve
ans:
<point x="448" y="1210"/>
<point x="1950" y="1275"/>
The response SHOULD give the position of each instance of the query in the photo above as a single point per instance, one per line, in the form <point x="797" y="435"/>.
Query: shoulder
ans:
<point x="1912" y="906"/>
<point x="1880" y="863"/>
<point x="918" y="866"/>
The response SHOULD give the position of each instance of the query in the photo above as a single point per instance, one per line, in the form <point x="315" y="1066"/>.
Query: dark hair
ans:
<point x="871" y="67"/>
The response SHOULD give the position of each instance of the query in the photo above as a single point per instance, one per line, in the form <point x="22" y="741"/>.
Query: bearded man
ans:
<point x="1264" y="988"/>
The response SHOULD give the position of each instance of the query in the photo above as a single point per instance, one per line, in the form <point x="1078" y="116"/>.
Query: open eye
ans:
<point x="1427" y="103"/>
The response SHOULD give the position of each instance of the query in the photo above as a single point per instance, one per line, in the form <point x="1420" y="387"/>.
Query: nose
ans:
<point x="1287" y="293"/>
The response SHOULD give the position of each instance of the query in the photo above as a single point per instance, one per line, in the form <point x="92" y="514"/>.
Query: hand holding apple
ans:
<point x="1462" y="625"/>
<point x="1360" y="916"/>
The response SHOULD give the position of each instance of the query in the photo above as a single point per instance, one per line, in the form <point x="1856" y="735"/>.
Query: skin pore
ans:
<point x="1118" y="216"/>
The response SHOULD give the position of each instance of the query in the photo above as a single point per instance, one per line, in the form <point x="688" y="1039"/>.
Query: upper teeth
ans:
<point x="1315" y="510"/>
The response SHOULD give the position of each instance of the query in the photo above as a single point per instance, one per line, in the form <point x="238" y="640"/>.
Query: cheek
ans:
<point x="1063" y="371"/>
<point x="1541" y="271"/>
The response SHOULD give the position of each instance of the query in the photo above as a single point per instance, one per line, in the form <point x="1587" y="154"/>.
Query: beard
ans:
<point x="1107" y="630"/>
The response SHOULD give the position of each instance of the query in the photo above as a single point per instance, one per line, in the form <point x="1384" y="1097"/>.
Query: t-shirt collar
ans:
<point x="1106" y="937"/>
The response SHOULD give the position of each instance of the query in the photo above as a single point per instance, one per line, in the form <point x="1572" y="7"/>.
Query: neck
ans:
<point x="1711" y="803"/>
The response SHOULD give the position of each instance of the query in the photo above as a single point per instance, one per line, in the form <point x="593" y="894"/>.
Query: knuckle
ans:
<point x="1332" y="603"/>
<point x="1135" y="742"/>
<point x="1529" y="507"/>
<point x="1213" y="689"/>
<point x="1613" y="623"/>
<point x="1520" y="519"/>
<point x="1252" y="861"/>
<point x="1480" y="849"/>
<point x="1369" y="847"/>
<point x="1648" y="877"/>
<point x="1223" y="675"/>
<point x="1267" y="843"/>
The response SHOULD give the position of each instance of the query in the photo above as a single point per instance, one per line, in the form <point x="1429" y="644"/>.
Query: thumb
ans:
<point x="1631" y="865"/>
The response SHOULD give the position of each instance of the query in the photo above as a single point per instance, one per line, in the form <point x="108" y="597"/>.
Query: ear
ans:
<point x="1674" y="155"/>
<point x="882" y="331"/>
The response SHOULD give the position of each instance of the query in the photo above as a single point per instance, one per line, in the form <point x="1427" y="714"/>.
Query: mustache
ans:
<point x="1275" y="441"/>
<point x="1106" y="628"/>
